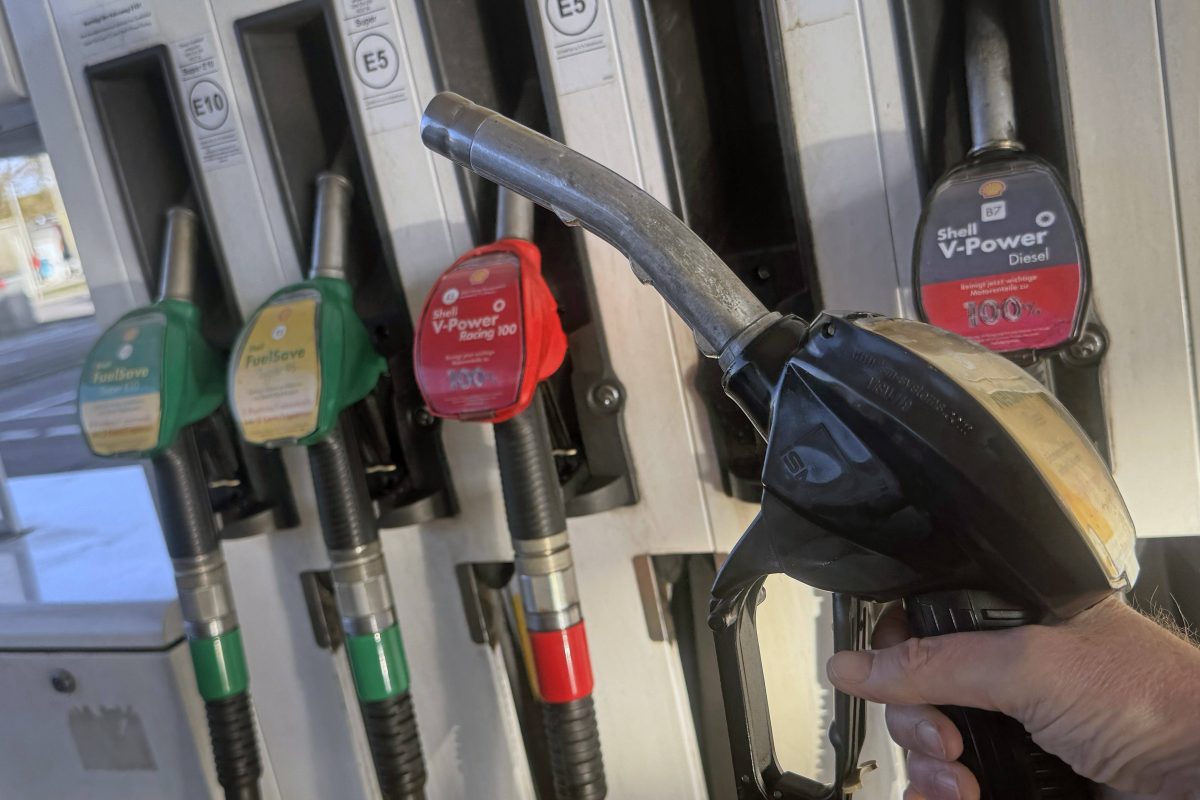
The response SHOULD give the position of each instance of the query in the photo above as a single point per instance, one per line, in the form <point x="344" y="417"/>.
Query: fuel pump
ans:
<point x="299" y="365"/>
<point x="146" y="384"/>
<point x="1000" y="255"/>
<point x="903" y="461"/>
<point x="488" y="335"/>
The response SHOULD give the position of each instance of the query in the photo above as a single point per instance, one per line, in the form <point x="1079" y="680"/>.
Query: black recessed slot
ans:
<point x="153" y="164"/>
<point x="483" y="50"/>
<point x="733" y="179"/>
<point x="294" y="73"/>
<point x="933" y="45"/>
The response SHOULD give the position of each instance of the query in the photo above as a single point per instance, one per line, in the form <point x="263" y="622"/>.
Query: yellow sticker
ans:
<point x="119" y="395"/>
<point x="277" y="375"/>
<point x="1050" y="437"/>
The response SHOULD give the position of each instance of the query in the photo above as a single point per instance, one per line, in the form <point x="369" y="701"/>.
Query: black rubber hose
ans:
<point x="392" y="734"/>
<point x="235" y="746"/>
<point x="996" y="748"/>
<point x="533" y="501"/>
<point x="187" y="517"/>
<point x="574" y="742"/>
<point x="347" y="519"/>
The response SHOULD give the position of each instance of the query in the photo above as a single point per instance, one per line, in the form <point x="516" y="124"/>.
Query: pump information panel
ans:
<point x="120" y="406"/>
<point x="471" y="357"/>
<point x="374" y="51"/>
<point x="276" y="375"/>
<point x="214" y="126"/>
<point x="1000" y="258"/>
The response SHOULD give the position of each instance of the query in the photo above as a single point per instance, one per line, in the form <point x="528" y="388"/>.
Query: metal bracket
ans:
<point x="322" y="608"/>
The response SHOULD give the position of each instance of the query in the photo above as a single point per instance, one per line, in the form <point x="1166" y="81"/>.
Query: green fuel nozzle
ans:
<point x="299" y="365"/>
<point x="146" y="381"/>
<point x="152" y="373"/>
<point x="305" y="355"/>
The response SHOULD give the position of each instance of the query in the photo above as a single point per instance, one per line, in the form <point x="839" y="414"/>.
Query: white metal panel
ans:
<point x="1112" y="70"/>
<point x="1179" y="30"/>
<point x="856" y="158"/>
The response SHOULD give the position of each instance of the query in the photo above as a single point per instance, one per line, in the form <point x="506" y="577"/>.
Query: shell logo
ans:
<point x="992" y="189"/>
<point x="479" y="276"/>
<point x="130" y="334"/>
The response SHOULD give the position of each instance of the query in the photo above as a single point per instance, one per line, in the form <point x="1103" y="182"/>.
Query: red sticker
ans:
<point x="488" y="334"/>
<point x="1027" y="309"/>
<point x="564" y="667"/>
<point x="472" y="356"/>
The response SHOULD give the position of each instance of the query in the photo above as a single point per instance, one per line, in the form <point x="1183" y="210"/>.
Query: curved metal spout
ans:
<point x="664" y="252"/>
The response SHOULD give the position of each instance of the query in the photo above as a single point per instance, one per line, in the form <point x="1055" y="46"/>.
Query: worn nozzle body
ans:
<point x="661" y="248"/>
<point x="331" y="226"/>
<point x="177" y="270"/>
<point x="989" y="79"/>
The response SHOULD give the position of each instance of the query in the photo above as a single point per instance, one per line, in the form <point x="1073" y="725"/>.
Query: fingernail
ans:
<point x="850" y="667"/>
<point x="931" y="740"/>
<point x="947" y="786"/>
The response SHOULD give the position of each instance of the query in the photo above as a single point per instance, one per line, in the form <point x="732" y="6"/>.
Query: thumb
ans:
<point x="979" y="670"/>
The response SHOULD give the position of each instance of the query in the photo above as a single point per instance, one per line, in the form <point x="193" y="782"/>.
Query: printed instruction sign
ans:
<point x="215" y="128"/>
<point x="579" y="43"/>
<point x="120" y="394"/>
<point x="277" y="375"/>
<point x="375" y="50"/>
<point x="106" y="27"/>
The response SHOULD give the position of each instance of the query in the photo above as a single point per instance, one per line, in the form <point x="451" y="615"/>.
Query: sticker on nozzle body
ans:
<point x="277" y="373"/>
<point x="1000" y="258"/>
<point x="471" y="359"/>
<point x="120" y="394"/>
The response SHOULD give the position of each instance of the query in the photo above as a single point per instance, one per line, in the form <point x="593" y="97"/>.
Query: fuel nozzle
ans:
<point x="146" y="385"/>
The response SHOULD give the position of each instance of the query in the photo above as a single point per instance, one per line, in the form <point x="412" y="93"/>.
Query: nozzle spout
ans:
<point x="989" y="79"/>
<point x="331" y="226"/>
<point x="177" y="270"/>
<point x="665" y="252"/>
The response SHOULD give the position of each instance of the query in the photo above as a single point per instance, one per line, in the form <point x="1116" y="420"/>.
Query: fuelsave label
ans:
<point x="999" y="259"/>
<point x="472" y="354"/>
<point x="277" y="374"/>
<point x="120" y="405"/>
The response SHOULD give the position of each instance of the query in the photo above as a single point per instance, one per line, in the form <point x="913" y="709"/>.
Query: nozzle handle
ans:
<point x="662" y="249"/>
<point x="997" y="749"/>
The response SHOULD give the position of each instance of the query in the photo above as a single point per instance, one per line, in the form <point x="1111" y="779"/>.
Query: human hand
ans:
<point x="1111" y="693"/>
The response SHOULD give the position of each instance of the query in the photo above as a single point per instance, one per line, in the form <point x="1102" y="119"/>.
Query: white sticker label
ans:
<point x="578" y="38"/>
<point x="102" y="28"/>
<point x="214" y="126"/>
<point x="375" y="51"/>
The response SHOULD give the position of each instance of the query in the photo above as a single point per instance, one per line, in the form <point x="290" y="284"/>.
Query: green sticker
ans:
<point x="378" y="664"/>
<point x="220" y="665"/>
<point x="120" y="391"/>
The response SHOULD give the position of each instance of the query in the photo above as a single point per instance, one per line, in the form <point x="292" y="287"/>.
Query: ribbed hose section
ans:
<point x="347" y="520"/>
<point x="391" y="726"/>
<point x="187" y="519"/>
<point x="533" y="500"/>
<point x="235" y="746"/>
<point x="574" y="742"/>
